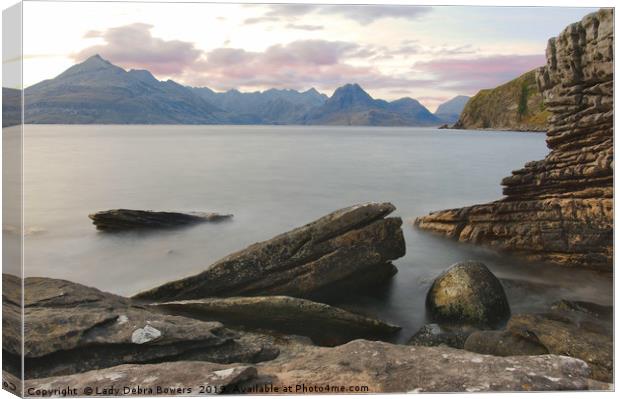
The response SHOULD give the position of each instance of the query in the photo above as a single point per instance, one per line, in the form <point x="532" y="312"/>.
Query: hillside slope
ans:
<point x="516" y="105"/>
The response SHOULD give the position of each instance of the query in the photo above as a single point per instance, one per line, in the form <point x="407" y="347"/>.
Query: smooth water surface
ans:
<point x="272" y="178"/>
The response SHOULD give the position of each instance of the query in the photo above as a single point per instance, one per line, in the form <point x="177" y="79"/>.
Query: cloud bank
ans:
<point x="362" y="14"/>
<point x="133" y="45"/>
<point x="301" y="64"/>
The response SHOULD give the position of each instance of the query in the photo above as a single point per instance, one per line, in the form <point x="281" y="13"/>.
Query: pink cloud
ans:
<point x="134" y="46"/>
<point x="479" y="73"/>
<point x="362" y="14"/>
<point x="300" y="64"/>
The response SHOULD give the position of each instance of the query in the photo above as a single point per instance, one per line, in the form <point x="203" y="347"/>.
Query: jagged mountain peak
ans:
<point x="350" y="95"/>
<point x="92" y="65"/>
<point x="96" y="62"/>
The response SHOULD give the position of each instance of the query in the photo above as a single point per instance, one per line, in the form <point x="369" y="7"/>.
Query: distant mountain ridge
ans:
<point x="11" y="107"/>
<point x="99" y="92"/>
<point x="450" y="111"/>
<point x="272" y="106"/>
<point x="96" y="91"/>
<point x="351" y="105"/>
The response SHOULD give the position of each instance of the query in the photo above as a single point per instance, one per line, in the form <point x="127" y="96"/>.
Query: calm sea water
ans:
<point x="272" y="179"/>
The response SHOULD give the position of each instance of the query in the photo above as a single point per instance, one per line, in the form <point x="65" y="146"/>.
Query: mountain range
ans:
<point x="99" y="92"/>
<point x="11" y="107"/>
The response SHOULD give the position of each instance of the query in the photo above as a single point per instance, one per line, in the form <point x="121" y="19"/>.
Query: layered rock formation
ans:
<point x="516" y="105"/>
<point x="559" y="209"/>
<point x="347" y="249"/>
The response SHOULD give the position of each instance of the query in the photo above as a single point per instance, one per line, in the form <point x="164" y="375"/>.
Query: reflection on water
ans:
<point x="272" y="179"/>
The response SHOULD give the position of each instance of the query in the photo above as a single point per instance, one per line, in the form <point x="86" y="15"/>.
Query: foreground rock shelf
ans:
<point x="578" y="329"/>
<point x="325" y="324"/>
<point x="559" y="209"/>
<point x="365" y="366"/>
<point x="70" y="328"/>
<point x="130" y="219"/>
<point x="346" y="250"/>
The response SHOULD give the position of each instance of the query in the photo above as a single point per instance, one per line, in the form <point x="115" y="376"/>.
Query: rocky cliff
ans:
<point x="559" y="209"/>
<point x="516" y="105"/>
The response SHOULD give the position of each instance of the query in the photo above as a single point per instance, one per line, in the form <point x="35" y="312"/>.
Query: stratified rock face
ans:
<point x="325" y="324"/>
<point x="559" y="209"/>
<point x="70" y="328"/>
<point x="515" y="105"/>
<point x="129" y="219"/>
<point x="468" y="293"/>
<point x="348" y="248"/>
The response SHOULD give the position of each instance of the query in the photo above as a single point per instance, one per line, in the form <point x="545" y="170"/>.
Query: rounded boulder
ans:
<point x="468" y="293"/>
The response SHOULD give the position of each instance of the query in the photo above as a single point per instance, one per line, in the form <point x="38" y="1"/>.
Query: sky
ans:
<point x="428" y="53"/>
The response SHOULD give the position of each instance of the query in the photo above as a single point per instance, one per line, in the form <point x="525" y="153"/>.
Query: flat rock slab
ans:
<point x="578" y="329"/>
<point x="566" y="336"/>
<point x="129" y="219"/>
<point x="70" y="328"/>
<point x="345" y="250"/>
<point x="385" y="368"/>
<point x="366" y="366"/>
<point x="169" y="379"/>
<point x="325" y="324"/>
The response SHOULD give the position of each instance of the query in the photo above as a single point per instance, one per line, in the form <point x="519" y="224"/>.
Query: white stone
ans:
<point x="146" y="334"/>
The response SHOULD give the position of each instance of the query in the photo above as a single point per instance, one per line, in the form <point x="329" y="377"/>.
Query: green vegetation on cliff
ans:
<point x="516" y="105"/>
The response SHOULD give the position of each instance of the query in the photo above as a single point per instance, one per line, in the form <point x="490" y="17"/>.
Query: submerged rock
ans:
<point x="389" y="368"/>
<point x="559" y="209"/>
<point x="70" y="328"/>
<point x="128" y="219"/>
<point x="349" y="248"/>
<point x="468" y="293"/>
<point x="325" y="324"/>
